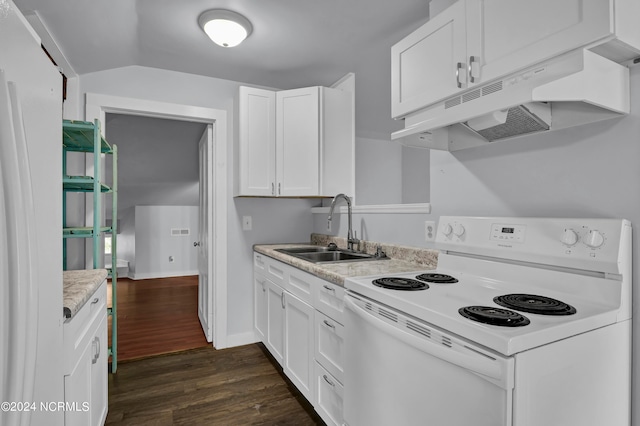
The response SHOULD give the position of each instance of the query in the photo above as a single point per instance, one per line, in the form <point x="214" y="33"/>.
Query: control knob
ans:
<point x="569" y="237"/>
<point x="446" y="229"/>
<point x="458" y="230"/>
<point x="593" y="238"/>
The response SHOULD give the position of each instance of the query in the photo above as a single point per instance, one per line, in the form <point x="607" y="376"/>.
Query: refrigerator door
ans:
<point x="20" y="322"/>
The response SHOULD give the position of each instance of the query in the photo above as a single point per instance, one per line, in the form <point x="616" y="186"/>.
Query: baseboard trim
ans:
<point x="162" y="275"/>
<point x="241" y="339"/>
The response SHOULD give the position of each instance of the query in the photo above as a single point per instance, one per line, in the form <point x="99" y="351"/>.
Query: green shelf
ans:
<point x="78" y="136"/>
<point x="86" y="137"/>
<point x="82" y="184"/>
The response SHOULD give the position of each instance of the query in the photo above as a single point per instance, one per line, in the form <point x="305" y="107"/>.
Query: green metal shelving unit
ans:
<point x="86" y="137"/>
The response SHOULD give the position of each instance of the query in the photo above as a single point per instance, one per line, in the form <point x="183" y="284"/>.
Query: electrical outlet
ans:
<point x="429" y="231"/>
<point x="246" y="223"/>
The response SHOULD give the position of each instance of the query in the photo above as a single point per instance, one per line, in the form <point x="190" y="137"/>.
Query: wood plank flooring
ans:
<point x="236" y="386"/>
<point x="186" y="386"/>
<point x="157" y="316"/>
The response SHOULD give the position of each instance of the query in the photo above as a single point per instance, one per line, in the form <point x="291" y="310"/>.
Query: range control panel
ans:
<point x="590" y="244"/>
<point x="508" y="232"/>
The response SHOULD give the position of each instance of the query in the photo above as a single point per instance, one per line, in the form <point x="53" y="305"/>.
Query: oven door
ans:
<point x="400" y="371"/>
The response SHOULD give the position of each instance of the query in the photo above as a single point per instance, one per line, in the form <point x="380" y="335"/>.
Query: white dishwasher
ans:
<point x="434" y="379"/>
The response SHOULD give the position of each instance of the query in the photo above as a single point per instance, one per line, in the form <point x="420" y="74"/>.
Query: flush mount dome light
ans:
<point x="224" y="27"/>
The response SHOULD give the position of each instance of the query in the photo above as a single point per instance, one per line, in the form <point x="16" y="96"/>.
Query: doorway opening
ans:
<point x="214" y="320"/>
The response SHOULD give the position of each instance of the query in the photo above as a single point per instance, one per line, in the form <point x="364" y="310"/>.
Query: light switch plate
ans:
<point x="429" y="231"/>
<point x="246" y="223"/>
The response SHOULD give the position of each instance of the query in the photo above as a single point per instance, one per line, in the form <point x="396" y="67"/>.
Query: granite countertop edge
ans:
<point x="401" y="259"/>
<point x="78" y="287"/>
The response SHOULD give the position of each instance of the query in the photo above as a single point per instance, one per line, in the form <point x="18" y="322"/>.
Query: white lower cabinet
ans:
<point x="299" y="344"/>
<point x="275" y="321"/>
<point x="260" y="306"/>
<point x="300" y="323"/>
<point x="329" y="347"/>
<point x="329" y="397"/>
<point x="86" y="363"/>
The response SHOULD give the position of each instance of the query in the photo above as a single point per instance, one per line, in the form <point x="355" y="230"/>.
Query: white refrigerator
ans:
<point x="31" y="318"/>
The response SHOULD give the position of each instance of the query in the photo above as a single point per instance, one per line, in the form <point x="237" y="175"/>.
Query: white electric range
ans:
<point x="525" y="321"/>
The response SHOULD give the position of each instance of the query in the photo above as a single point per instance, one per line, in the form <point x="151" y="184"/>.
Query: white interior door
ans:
<point x="205" y="235"/>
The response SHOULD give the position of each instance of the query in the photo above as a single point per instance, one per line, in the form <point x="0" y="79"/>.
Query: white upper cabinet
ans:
<point x="507" y="35"/>
<point x="257" y="137"/>
<point x="428" y="64"/>
<point x="476" y="41"/>
<point x="295" y="143"/>
<point x="298" y="141"/>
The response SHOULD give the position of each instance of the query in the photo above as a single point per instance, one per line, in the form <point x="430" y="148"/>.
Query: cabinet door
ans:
<point x="299" y="344"/>
<point x="275" y="321"/>
<point x="298" y="142"/>
<point x="260" y="306"/>
<point x="77" y="390"/>
<point x="99" y="374"/>
<point x="429" y="64"/>
<point x="504" y="36"/>
<point x="257" y="142"/>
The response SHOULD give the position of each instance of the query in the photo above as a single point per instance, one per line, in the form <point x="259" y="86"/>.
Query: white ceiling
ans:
<point x="295" y="43"/>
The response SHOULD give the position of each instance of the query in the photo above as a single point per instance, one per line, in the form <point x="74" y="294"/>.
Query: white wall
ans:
<point x="586" y="171"/>
<point x="126" y="242"/>
<point x="273" y="220"/>
<point x="389" y="173"/>
<point x="155" y="246"/>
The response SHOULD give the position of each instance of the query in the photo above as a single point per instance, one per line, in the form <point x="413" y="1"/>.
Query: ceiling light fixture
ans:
<point x="224" y="27"/>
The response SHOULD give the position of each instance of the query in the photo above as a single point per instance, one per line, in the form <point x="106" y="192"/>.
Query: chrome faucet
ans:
<point x="351" y="237"/>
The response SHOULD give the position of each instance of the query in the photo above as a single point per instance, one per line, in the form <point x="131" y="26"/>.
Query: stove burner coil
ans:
<point x="494" y="316"/>
<point x="534" y="304"/>
<point x="437" y="278"/>
<point x="394" y="283"/>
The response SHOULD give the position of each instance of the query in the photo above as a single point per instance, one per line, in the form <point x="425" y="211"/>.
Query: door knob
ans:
<point x="196" y="243"/>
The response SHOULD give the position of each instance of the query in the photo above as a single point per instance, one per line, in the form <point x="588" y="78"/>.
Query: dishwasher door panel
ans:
<point x="395" y="377"/>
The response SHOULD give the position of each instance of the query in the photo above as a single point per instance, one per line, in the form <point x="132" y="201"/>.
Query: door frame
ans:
<point x="98" y="105"/>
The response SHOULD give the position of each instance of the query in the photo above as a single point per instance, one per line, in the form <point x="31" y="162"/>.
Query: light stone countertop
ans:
<point x="78" y="287"/>
<point x="402" y="259"/>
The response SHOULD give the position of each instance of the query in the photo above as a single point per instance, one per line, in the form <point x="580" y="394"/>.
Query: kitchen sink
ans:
<point x="296" y="250"/>
<point x="327" y="255"/>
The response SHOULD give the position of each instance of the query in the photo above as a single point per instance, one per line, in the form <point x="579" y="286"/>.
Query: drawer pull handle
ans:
<point x="329" y="288"/>
<point x="328" y="324"/>
<point x="326" y="379"/>
<point x="96" y="300"/>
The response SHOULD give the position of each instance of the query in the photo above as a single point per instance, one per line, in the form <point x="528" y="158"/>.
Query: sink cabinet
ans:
<point x="86" y="363"/>
<point x="294" y="143"/>
<point x="476" y="41"/>
<point x="299" y="320"/>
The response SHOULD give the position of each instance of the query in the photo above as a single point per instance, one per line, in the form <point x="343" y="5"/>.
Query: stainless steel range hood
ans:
<point x="577" y="88"/>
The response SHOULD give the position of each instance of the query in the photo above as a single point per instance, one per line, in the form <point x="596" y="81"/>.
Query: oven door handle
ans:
<point x="474" y="362"/>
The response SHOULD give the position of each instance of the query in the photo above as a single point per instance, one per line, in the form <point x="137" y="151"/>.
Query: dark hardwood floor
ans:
<point x="157" y="316"/>
<point x="169" y="375"/>
<point x="235" y="386"/>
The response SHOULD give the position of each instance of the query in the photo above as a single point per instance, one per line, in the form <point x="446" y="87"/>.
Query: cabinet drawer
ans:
<point x="301" y="284"/>
<point x="329" y="347"/>
<point x="259" y="263"/>
<point x="329" y="299"/>
<point x="79" y="330"/>
<point x="329" y="397"/>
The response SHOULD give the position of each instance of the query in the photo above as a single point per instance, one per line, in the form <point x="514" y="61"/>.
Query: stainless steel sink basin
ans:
<point x="326" y="255"/>
<point x="295" y="250"/>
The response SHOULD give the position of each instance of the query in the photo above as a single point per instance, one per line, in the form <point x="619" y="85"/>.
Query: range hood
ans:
<point x="577" y="88"/>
